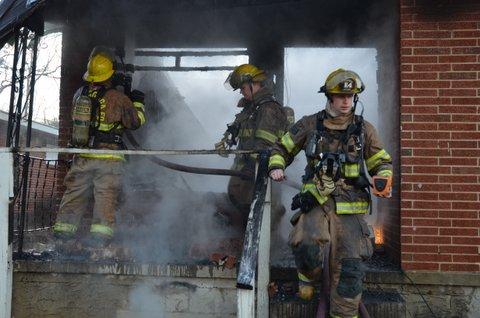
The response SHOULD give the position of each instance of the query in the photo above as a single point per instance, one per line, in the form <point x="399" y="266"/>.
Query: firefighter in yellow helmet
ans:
<point x="260" y="123"/>
<point x="335" y="197"/>
<point x="100" y="114"/>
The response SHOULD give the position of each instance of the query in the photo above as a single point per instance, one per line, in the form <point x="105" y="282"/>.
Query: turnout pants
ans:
<point x="348" y="236"/>
<point x="90" y="181"/>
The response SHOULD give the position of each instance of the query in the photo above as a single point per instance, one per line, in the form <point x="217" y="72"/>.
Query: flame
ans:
<point x="378" y="235"/>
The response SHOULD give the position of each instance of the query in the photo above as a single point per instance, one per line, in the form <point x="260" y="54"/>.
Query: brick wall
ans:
<point x="440" y="133"/>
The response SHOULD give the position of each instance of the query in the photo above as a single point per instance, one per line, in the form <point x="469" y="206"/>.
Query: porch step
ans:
<point x="379" y="304"/>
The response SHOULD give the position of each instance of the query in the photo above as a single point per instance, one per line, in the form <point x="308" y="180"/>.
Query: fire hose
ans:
<point x="199" y="170"/>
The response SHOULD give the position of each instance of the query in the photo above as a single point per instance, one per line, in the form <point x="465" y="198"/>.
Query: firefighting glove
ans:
<point x="137" y="96"/>
<point x="304" y="201"/>
<point x="325" y="185"/>
<point x="221" y="146"/>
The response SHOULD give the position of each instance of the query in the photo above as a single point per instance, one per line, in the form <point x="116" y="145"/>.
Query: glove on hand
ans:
<point x="221" y="147"/>
<point x="304" y="201"/>
<point x="137" y="96"/>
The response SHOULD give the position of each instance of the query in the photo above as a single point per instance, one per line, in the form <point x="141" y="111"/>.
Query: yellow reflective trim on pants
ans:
<point x="276" y="160"/>
<point x="101" y="229"/>
<point x="287" y="142"/>
<point x="335" y="316"/>
<point x="61" y="227"/>
<point x="352" y="207"/>
<point x="312" y="188"/>
<point x="377" y="158"/>
<point x="102" y="156"/>
<point x="245" y="133"/>
<point x="385" y="173"/>
<point x="351" y="170"/>
<point x="266" y="135"/>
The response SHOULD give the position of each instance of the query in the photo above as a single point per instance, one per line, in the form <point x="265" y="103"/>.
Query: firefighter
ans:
<point x="335" y="196"/>
<point x="100" y="115"/>
<point x="260" y="123"/>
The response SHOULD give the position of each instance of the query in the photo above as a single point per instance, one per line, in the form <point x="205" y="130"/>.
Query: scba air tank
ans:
<point x="82" y="112"/>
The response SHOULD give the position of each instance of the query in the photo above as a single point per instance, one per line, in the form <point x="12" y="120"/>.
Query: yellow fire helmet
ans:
<point x="99" y="68"/>
<point x="243" y="74"/>
<point x="342" y="81"/>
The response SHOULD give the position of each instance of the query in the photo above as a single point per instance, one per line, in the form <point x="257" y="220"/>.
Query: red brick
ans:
<point x="432" y="222"/>
<point x="466" y="258"/>
<point x="420" y="266"/>
<point x="419" y="59"/>
<point x="466" y="205"/>
<point x="456" y="42"/>
<point x="406" y="239"/>
<point x="466" y="187"/>
<point x="440" y="205"/>
<point x="405" y="101"/>
<point x="432" y="51"/>
<point x="432" y="257"/>
<point x="456" y="179"/>
<point x="429" y="187"/>
<point x="405" y="135"/>
<point x="458" y="59"/>
<point x="466" y="118"/>
<point x="432" y="101"/>
<point x="419" y="76"/>
<point x="406" y="34"/>
<point x="419" y="178"/>
<point x="420" y="230"/>
<point x="432" y="67"/>
<point x="466" y="34"/>
<point x="458" y="232"/>
<point x="406" y="84"/>
<point x="406" y="51"/>
<point x="419" y="126"/>
<point x="460" y="267"/>
<point x="457" y="25"/>
<point x="466" y="223"/>
<point x="419" y="161"/>
<point x="466" y="101"/>
<point x="406" y="187"/>
<point x="458" y="92"/>
<point x="466" y="135"/>
<point x="466" y="50"/>
<point x="431" y="84"/>
<point x="406" y="68"/>
<point x="404" y="204"/>
<point x="457" y="214"/>
<point x="466" y="240"/>
<point x="431" y="118"/>
<point x="419" y="92"/>
<point x="455" y="249"/>
<point x="458" y="75"/>
<point x="432" y="170"/>
<point x="466" y="153"/>
<point x="419" y="109"/>
<point x="417" y="248"/>
<point x="420" y="213"/>
<point x="464" y="67"/>
<point x="407" y="257"/>
<point x="466" y="170"/>
<point x="431" y="135"/>
<point x="457" y="126"/>
<point x="432" y="34"/>
<point x="419" y="26"/>
<point x="431" y="152"/>
<point x="432" y="240"/>
<point x="457" y="196"/>
<point x="471" y="144"/>
<point x="419" y="196"/>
